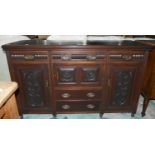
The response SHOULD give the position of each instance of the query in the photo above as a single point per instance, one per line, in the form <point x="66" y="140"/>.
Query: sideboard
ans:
<point x="148" y="89"/>
<point x="75" y="77"/>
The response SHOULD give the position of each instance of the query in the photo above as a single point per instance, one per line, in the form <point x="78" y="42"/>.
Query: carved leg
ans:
<point x="101" y="115"/>
<point x="145" y="105"/>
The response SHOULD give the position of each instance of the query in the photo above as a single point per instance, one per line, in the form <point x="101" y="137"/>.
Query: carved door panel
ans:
<point x="65" y="75"/>
<point x="122" y="81"/>
<point x="33" y="83"/>
<point x="91" y="74"/>
<point x="79" y="74"/>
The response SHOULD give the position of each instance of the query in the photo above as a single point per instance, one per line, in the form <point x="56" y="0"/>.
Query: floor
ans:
<point x="150" y="114"/>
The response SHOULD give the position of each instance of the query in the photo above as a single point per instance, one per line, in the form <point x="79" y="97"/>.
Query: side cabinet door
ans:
<point x="33" y="83"/>
<point x="122" y="82"/>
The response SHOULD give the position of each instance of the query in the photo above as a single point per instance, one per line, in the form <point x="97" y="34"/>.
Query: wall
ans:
<point x="4" y="39"/>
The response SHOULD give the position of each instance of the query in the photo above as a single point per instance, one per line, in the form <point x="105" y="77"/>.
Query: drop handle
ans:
<point x="65" y="95"/>
<point x="90" y="106"/>
<point x="90" y="95"/>
<point x="91" y="57"/>
<point x="126" y="57"/>
<point x="66" y="57"/>
<point x="66" y="107"/>
<point x="29" y="57"/>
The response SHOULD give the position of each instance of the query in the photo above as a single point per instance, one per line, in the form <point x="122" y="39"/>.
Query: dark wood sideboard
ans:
<point x="148" y="89"/>
<point x="72" y="77"/>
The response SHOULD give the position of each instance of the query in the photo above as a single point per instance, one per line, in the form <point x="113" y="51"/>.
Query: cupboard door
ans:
<point x="77" y="74"/>
<point x="34" y="91"/>
<point x="122" y="82"/>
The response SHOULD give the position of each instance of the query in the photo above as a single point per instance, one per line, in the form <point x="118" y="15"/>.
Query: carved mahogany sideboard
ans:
<point x="148" y="89"/>
<point x="72" y="77"/>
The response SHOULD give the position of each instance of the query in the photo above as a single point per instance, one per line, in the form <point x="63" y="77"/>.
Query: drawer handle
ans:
<point x="66" y="107"/>
<point x="66" y="95"/>
<point x="66" y="57"/>
<point x="90" y="106"/>
<point x="126" y="57"/>
<point x="91" y="57"/>
<point x="90" y="95"/>
<point x="29" y="57"/>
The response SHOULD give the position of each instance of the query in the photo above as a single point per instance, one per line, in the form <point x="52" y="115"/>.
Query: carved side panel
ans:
<point x="122" y="88"/>
<point x="33" y="87"/>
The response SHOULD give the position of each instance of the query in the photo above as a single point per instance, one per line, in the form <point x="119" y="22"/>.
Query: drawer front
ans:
<point x="130" y="56"/>
<point x="29" y="56"/>
<point x="78" y="94"/>
<point x="84" y="106"/>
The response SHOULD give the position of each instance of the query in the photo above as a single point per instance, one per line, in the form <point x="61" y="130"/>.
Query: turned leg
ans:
<point x="145" y="105"/>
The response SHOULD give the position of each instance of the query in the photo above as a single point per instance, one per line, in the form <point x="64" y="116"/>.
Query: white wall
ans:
<point x="4" y="39"/>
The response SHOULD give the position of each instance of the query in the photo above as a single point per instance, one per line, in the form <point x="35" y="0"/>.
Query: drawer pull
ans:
<point x="66" y="95"/>
<point x="91" y="57"/>
<point x="90" y="106"/>
<point x="126" y="57"/>
<point x="29" y="57"/>
<point x="90" y="95"/>
<point x="66" y="57"/>
<point x="66" y="107"/>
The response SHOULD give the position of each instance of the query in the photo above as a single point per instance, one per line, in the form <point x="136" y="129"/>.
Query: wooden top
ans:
<point x="148" y="42"/>
<point x="6" y="90"/>
<point x="48" y="45"/>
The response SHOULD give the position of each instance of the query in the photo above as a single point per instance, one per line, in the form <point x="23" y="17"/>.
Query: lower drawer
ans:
<point x="78" y="94"/>
<point x="78" y="106"/>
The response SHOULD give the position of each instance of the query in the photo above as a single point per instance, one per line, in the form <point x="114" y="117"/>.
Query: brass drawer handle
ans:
<point x="90" y="95"/>
<point x="91" y="57"/>
<point x="66" y="95"/>
<point x="66" y="57"/>
<point x="66" y="107"/>
<point x="90" y="106"/>
<point x="29" y="57"/>
<point x="126" y="57"/>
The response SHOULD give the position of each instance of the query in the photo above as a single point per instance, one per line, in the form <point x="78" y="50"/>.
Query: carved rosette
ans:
<point x="67" y="75"/>
<point x="90" y="74"/>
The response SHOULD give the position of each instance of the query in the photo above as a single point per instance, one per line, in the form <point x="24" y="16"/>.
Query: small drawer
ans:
<point x="29" y="56"/>
<point x="79" y="106"/>
<point x="78" y="94"/>
<point x="127" y="57"/>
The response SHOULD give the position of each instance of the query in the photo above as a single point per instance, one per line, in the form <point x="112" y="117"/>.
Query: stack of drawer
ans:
<point x="78" y="81"/>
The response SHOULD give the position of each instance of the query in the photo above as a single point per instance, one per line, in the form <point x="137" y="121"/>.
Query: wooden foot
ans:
<point x="132" y="114"/>
<point x="145" y="105"/>
<point x="21" y="116"/>
<point x="54" y="116"/>
<point x="101" y="115"/>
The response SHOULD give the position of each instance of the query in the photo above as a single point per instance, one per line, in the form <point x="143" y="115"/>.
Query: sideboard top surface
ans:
<point x="46" y="44"/>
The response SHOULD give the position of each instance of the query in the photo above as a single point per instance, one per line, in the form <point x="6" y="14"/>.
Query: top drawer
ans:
<point x="29" y="56"/>
<point x="78" y="55"/>
<point x="127" y="56"/>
